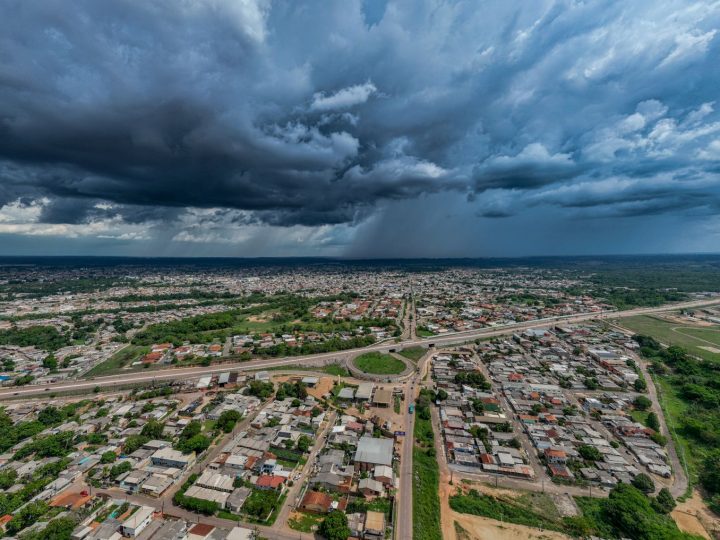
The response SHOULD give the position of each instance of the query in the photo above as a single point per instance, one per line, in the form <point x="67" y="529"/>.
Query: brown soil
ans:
<point x="693" y="516"/>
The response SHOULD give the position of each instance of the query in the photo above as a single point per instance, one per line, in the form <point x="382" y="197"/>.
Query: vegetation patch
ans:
<point x="379" y="364"/>
<point x="626" y="513"/>
<point x="304" y="522"/>
<point x="669" y="333"/>
<point x="413" y="353"/>
<point x="118" y="360"/>
<point x="426" y="480"/>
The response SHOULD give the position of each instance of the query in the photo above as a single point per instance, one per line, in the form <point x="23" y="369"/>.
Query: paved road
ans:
<point x="404" y="524"/>
<point x="291" y="501"/>
<point x="455" y="338"/>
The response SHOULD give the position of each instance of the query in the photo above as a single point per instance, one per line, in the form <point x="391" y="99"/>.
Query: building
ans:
<point x="374" y="526"/>
<point x="371" y="452"/>
<point x="137" y="522"/>
<point x="317" y="502"/>
<point x="168" y="457"/>
<point x="382" y="398"/>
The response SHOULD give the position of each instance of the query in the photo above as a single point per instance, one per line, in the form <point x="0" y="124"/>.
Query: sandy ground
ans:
<point x="693" y="516"/>
<point x="323" y="386"/>
<point x="710" y="349"/>
<point x="481" y="528"/>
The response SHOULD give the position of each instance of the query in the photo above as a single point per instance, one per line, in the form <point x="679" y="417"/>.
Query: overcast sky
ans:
<point x="359" y="128"/>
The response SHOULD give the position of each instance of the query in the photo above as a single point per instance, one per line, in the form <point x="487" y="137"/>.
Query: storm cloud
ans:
<point x="305" y="123"/>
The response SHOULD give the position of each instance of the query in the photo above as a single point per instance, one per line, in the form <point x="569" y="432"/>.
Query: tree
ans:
<point x="642" y="403"/>
<point x="108" y="457"/>
<point x="120" y="468"/>
<point x="644" y="483"/>
<point x="50" y="362"/>
<point x="196" y="443"/>
<point x="335" y="526"/>
<point x="653" y="422"/>
<point x="710" y="477"/>
<point x="590" y="453"/>
<point x="664" y="502"/>
<point x="153" y="429"/>
<point x="50" y="416"/>
<point x="133" y="442"/>
<point x="640" y="385"/>
<point x="442" y="395"/>
<point x="591" y="383"/>
<point x="303" y="443"/>
<point x="227" y="420"/>
<point x="260" y="389"/>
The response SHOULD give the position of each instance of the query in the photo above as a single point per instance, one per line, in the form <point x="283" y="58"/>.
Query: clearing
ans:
<point x="696" y="339"/>
<point x="379" y="364"/>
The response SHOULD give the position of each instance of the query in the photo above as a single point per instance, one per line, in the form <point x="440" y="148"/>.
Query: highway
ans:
<point x="170" y="374"/>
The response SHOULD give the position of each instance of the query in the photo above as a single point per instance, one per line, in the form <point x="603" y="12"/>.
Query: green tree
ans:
<point x="108" y="457"/>
<point x="590" y="453"/>
<point x="335" y="526"/>
<point x="664" y="502"/>
<point x="51" y="416"/>
<point x="640" y="385"/>
<point x="227" y="420"/>
<point x="644" y="483"/>
<point x="50" y="362"/>
<point x="303" y="443"/>
<point x="642" y="403"/>
<point x="153" y="429"/>
<point x="653" y="422"/>
<point x="120" y="468"/>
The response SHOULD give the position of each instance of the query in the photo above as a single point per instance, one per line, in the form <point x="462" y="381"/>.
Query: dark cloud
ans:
<point x="324" y="113"/>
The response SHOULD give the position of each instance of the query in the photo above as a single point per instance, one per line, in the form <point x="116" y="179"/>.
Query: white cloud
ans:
<point x="343" y="99"/>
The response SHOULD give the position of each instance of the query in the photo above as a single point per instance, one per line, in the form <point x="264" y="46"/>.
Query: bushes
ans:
<point x="642" y="403"/>
<point x="590" y="453"/>
<point x="335" y="526"/>
<point x="644" y="483"/>
<point x="426" y="503"/>
<point x="227" y="420"/>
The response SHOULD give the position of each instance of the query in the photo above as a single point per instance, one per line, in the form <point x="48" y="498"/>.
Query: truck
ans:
<point x="411" y="408"/>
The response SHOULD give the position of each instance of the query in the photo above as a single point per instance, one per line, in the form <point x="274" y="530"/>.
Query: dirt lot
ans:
<point x="693" y="516"/>
<point x="481" y="528"/>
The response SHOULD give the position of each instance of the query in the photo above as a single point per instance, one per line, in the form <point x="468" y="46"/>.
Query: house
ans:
<point x="382" y="398"/>
<point x="241" y="533"/>
<point x="169" y="457"/>
<point x="384" y="474"/>
<point x="219" y="482"/>
<point x="371" y="488"/>
<point x="364" y="391"/>
<point x="555" y="456"/>
<point x="316" y="502"/>
<point x="371" y="452"/>
<point x="267" y="481"/>
<point x="237" y="498"/>
<point x="137" y="522"/>
<point x="200" y="531"/>
<point x="374" y="526"/>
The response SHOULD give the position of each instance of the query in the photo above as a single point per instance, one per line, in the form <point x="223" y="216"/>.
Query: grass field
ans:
<point x="413" y="353"/>
<point x="379" y="364"/>
<point x="690" y="337"/>
<point x="118" y="360"/>
<point x="426" y="482"/>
